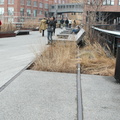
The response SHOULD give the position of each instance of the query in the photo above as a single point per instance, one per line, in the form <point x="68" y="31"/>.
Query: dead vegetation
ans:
<point x="64" y="57"/>
<point x="30" y="24"/>
<point x="8" y="27"/>
<point x="58" y="57"/>
<point x="94" y="60"/>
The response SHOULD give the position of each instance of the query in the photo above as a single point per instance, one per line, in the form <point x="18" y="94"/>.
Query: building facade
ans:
<point x="76" y="16"/>
<point x="22" y="10"/>
<point x="107" y="11"/>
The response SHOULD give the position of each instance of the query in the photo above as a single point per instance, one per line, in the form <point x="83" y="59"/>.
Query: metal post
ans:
<point x="117" y="68"/>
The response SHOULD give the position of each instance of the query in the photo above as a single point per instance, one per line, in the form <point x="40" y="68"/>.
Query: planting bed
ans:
<point x="33" y="29"/>
<point x="59" y="57"/>
<point x="64" y="56"/>
<point x="7" y="34"/>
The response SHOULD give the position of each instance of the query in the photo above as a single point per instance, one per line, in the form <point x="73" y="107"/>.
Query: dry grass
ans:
<point x="95" y="61"/>
<point x="64" y="57"/>
<point x="30" y="24"/>
<point x="58" y="57"/>
<point x="8" y="27"/>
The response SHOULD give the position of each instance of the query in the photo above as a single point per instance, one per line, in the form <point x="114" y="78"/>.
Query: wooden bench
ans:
<point x="22" y="32"/>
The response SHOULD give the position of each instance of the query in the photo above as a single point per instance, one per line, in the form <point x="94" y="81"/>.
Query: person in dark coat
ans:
<point x="54" y="24"/>
<point x="61" y="23"/>
<point x="66" y="22"/>
<point x="50" y="28"/>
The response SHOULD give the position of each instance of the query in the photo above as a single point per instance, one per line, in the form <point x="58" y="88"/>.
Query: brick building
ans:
<point x="108" y="10"/>
<point x="76" y="16"/>
<point x="21" y="10"/>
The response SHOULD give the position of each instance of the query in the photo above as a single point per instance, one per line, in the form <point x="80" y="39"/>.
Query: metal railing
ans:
<point x="112" y="39"/>
<point x="107" y="38"/>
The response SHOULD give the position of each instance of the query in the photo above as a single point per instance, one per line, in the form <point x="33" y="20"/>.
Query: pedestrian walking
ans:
<point x="70" y="23"/>
<point x="54" y="24"/>
<point x="42" y="26"/>
<point x="50" y="28"/>
<point x="61" y="23"/>
<point x="66" y="22"/>
<point x="0" y="24"/>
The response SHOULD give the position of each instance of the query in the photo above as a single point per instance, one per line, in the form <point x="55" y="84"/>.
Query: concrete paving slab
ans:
<point x="101" y="98"/>
<point x="17" y="52"/>
<point x="36" y="95"/>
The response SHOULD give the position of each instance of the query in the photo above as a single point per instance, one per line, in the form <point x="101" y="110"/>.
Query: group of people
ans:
<point x="67" y="22"/>
<point x="50" y="25"/>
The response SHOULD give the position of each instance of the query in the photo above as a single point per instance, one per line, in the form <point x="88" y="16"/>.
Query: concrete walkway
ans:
<point x="101" y="98"/>
<point x="36" y="95"/>
<point x="17" y="52"/>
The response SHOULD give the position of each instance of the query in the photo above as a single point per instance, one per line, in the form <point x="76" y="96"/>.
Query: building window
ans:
<point x="22" y="11"/>
<point x="104" y="2"/>
<point x="55" y="1"/>
<point x="46" y="13"/>
<point x="88" y="2"/>
<point x="1" y="1"/>
<point x="108" y="2"/>
<point x="119" y="2"/>
<point x="46" y="6"/>
<point x="28" y="2"/>
<point x="28" y="12"/>
<point x="41" y="12"/>
<point x="10" y="1"/>
<point x="10" y="11"/>
<point x="35" y="3"/>
<point x="35" y="13"/>
<point x="1" y="10"/>
<point x="41" y="5"/>
<point x="54" y="7"/>
<point x="59" y="1"/>
<point x="22" y="2"/>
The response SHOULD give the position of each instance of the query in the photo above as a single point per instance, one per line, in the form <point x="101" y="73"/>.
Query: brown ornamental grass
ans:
<point x="64" y="57"/>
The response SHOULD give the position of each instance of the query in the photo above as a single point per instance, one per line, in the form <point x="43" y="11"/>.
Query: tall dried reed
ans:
<point x="94" y="60"/>
<point x="58" y="57"/>
<point x="64" y="56"/>
<point x="30" y="24"/>
<point x="8" y="27"/>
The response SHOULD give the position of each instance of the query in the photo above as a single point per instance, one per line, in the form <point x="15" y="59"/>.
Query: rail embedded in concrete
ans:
<point x="15" y="76"/>
<point x="79" y="95"/>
